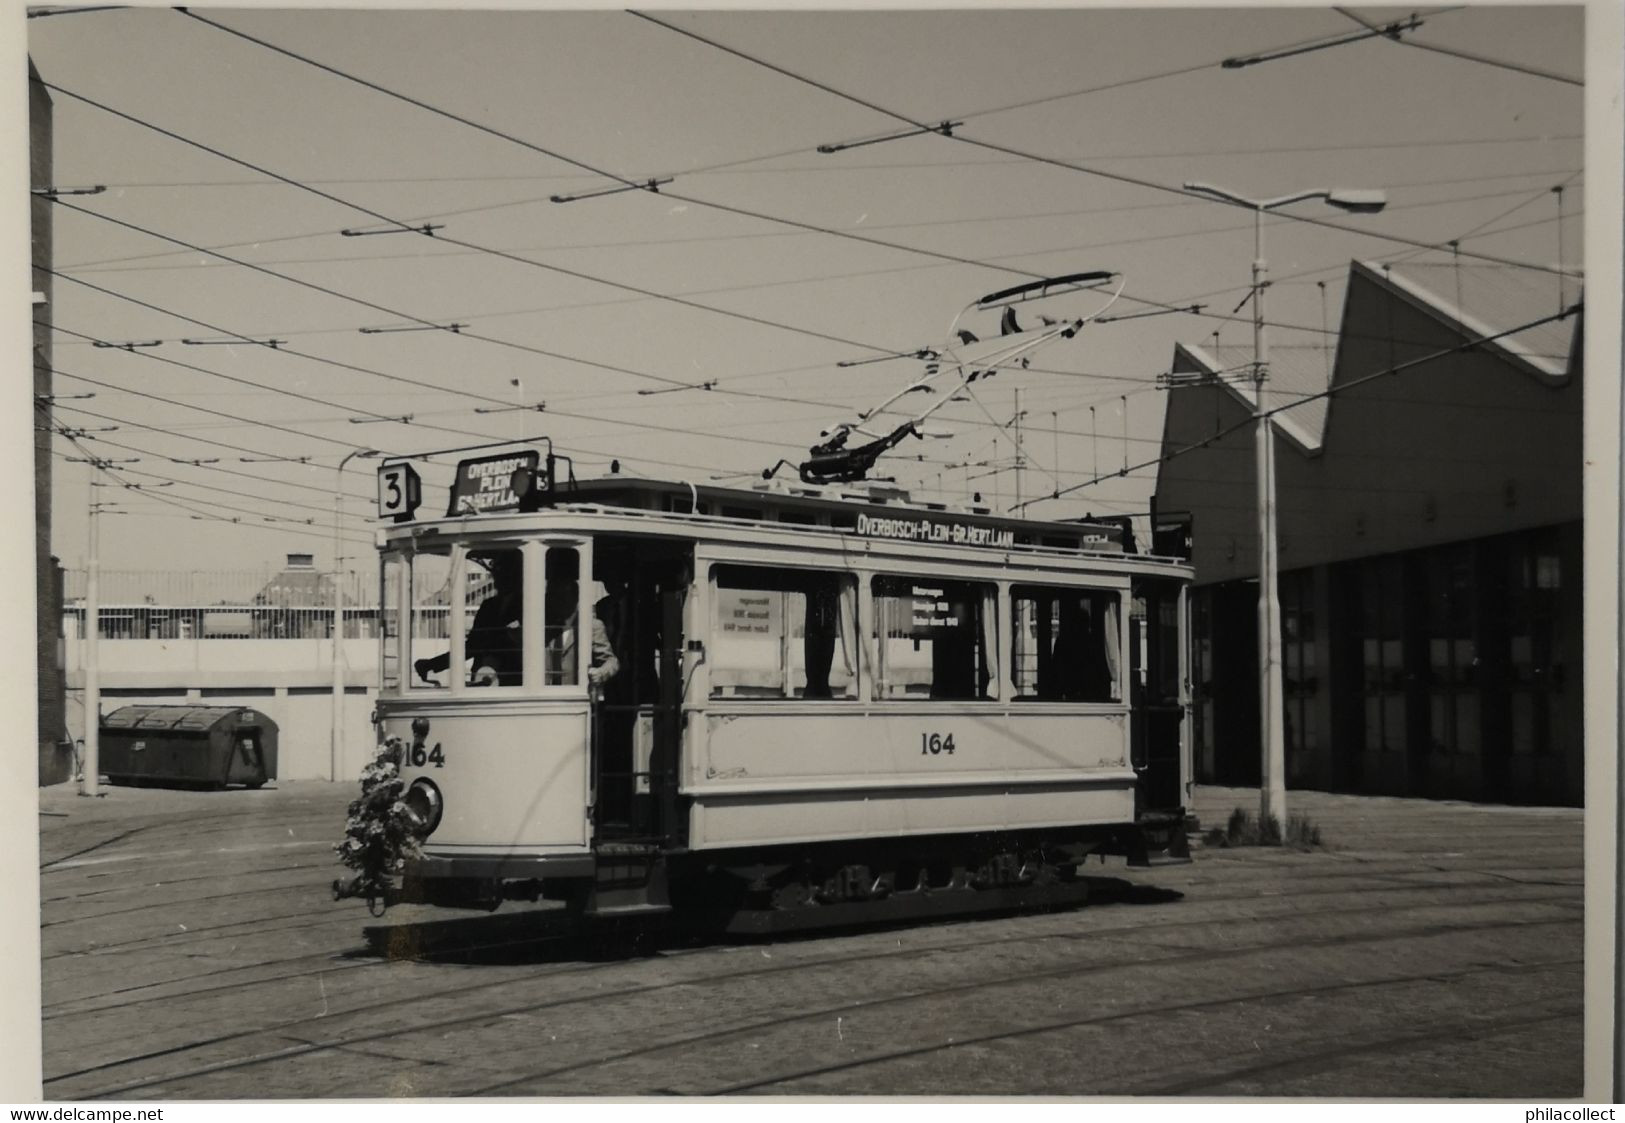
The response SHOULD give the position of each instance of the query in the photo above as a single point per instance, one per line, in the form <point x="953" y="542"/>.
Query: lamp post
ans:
<point x="1272" y="730"/>
<point x="337" y="746"/>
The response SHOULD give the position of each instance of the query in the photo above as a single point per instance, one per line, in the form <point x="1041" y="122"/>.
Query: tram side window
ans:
<point x="561" y="616"/>
<point x="428" y="633"/>
<point x="1065" y="644"/>
<point x="389" y="617"/>
<point x="783" y="633"/>
<point x="935" y="639"/>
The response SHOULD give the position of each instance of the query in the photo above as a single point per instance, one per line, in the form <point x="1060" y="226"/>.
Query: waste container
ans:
<point x="188" y="746"/>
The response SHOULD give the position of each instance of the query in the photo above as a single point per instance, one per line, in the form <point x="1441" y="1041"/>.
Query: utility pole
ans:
<point x="336" y="749"/>
<point x="90" y="766"/>
<point x="1271" y="715"/>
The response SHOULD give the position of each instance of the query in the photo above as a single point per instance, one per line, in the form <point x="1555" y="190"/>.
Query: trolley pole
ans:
<point x="336" y="749"/>
<point x="1020" y="452"/>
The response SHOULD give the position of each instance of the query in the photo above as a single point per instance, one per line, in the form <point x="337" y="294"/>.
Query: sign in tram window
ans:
<point x="1065" y="644"/>
<point x="934" y="639"/>
<point x="781" y="633"/>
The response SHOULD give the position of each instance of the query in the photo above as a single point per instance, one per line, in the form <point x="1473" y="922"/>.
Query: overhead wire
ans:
<point x="1120" y="177"/>
<point x="809" y="227"/>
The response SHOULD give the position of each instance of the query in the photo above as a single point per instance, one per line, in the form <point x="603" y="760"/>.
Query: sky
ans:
<point x="739" y="288"/>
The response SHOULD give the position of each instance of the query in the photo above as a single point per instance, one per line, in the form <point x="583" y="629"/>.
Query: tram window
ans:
<point x="1065" y="644"/>
<point x="783" y="633"/>
<point x="428" y="633"/>
<point x="490" y="590"/>
<point x="935" y="638"/>
<point x="560" y="616"/>
<point x="389" y="619"/>
<point x="493" y="603"/>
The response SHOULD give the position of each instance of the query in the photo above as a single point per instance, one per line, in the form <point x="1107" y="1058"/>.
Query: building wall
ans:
<point x="289" y="680"/>
<point x="55" y="755"/>
<point x="1464" y="469"/>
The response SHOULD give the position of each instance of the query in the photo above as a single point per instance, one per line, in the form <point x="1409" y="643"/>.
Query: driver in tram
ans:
<point x="493" y="638"/>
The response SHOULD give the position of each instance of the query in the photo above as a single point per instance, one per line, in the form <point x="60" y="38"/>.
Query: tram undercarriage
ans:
<point x="787" y="888"/>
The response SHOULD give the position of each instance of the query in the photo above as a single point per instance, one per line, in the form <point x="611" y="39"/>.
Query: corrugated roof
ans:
<point x="1295" y="375"/>
<point x="1486" y="298"/>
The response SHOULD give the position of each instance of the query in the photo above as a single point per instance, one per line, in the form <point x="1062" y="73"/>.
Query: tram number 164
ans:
<point x="936" y="743"/>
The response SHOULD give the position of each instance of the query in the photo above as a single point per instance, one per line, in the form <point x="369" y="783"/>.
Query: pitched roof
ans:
<point x="1484" y="298"/>
<point x="1296" y="374"/>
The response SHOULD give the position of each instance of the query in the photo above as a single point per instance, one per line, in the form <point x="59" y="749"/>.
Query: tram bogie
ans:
<point x="785" y="707"/>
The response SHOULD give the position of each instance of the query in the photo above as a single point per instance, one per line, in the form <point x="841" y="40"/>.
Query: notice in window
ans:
<point x="750" y="613"/>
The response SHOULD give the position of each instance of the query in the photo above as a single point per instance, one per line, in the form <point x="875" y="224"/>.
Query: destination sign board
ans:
<point x="923" y="529"/>
<point x="486" y="484"/>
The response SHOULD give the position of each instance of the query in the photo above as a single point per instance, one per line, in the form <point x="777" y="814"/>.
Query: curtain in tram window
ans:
<point x="848" y="630"/>
<point x="990" y="640"/>
<point x="1113" y="637"/>
<point x="820" y="630"/>
<point x="1021" y="655"/>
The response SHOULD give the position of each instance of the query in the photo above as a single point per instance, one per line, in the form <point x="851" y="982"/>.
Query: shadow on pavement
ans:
<point x="537" y="936"/>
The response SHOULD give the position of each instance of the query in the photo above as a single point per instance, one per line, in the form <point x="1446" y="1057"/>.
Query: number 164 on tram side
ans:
<point x="771" y="707"/>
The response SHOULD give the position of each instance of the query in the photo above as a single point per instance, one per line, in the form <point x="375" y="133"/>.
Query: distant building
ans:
<point x="55" y="748"/>
<point x="1429" y="529"/>
<point x="300" y="585"/>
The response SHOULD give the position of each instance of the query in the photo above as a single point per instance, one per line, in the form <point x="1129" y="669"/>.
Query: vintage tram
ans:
<point x="775" y="706"/>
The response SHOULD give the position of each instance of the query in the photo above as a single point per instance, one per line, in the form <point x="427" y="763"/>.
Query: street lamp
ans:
<point x="337" y="745"/>
<point x="1272" y="730"/>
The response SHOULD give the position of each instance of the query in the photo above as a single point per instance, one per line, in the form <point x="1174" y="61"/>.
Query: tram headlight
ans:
<point x="424" y="806"/>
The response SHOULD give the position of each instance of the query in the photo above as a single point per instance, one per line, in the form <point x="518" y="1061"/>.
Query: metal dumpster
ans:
<point x="188" y="746"/>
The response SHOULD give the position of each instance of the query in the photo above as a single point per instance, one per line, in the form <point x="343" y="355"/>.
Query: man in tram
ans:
<point x="493" y="638"/>
<point x="560" y="624"/>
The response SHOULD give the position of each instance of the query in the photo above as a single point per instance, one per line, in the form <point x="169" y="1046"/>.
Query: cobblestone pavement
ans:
<point x="191" y="949"/>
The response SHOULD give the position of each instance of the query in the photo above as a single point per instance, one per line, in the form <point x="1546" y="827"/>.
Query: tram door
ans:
<point x="1157" y="709"/>
<point x="638" y="721"/>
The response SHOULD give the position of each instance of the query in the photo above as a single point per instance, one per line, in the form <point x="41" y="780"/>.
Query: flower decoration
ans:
<point x="378" y="836"/>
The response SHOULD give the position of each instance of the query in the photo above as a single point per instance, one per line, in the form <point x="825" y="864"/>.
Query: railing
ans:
<point x="289" y="588"/>
<point x="225" y="621"/>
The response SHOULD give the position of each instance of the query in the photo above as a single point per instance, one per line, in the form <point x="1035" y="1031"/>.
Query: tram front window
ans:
<point x="491" y="587"/>
<point x="935" y="639"/>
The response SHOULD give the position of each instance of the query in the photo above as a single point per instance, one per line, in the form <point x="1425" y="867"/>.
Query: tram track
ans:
<point x="1107" y="932"/>
<point x="1303" y="1063"/>
<point x="461" y="1020"/>
<point x="1053" y="1025"/>
<point x="1399" y="879"/>
<point x="170" y="881"/>
<point x="324" y="960"/>
<point x="89" y="918"/>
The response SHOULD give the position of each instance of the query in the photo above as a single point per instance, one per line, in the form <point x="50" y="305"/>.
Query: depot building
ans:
<point x="1429" y="530"/>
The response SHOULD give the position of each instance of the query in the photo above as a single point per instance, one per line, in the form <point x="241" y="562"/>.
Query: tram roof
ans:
<point x="873" y="510"/>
